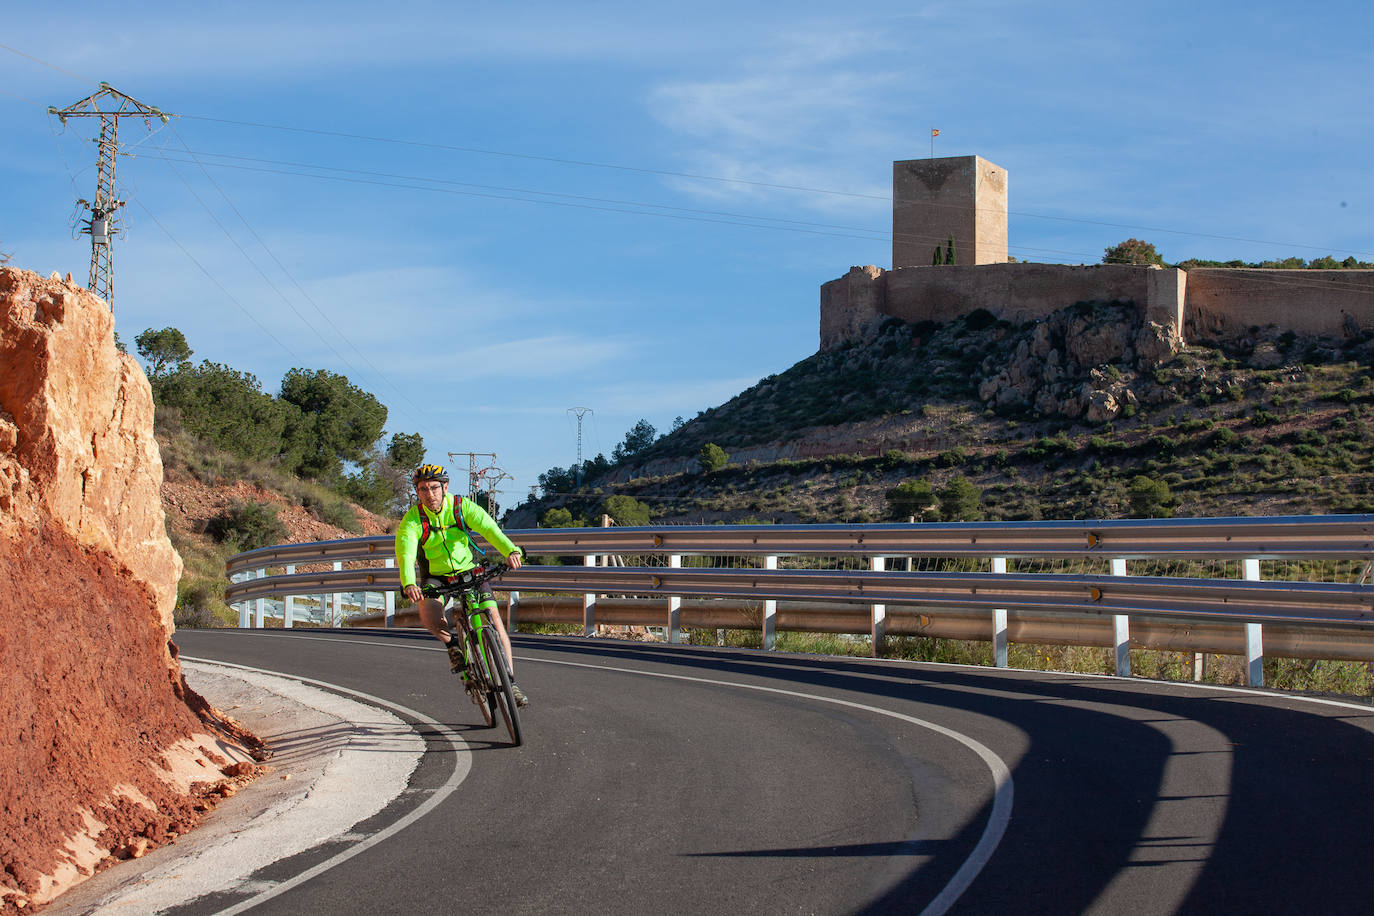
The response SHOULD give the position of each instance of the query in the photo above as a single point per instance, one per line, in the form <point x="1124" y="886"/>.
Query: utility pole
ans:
<point x="109" y="105"/>
<point x="581" y="412"/>
<point x="474" y="474"/>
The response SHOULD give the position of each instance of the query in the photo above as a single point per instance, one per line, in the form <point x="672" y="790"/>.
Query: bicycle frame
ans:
<point x="488" y="677"/>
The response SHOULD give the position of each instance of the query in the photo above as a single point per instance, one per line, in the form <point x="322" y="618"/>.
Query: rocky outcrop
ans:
<point x="1079" y="362"/>
<point x="97" y="729"/>
<point x="76" y="419"/>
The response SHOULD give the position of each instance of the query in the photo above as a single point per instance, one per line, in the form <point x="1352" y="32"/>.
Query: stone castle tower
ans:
<point x="934" y="199"/>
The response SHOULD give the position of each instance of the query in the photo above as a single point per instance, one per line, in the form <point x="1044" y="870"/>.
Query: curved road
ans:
<point x="691" y="780"/>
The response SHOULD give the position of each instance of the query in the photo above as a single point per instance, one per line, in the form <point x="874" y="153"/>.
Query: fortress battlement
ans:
<point x="965" y="199"/>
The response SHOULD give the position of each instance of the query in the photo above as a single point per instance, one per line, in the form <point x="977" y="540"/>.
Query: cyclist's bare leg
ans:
<point x="432" y="618"/>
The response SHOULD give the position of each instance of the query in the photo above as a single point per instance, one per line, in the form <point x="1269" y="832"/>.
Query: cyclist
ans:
<point x="436" y="532"/>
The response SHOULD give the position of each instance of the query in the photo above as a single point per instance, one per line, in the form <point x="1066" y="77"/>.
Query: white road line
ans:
<point x="462" y="766"/>
<point x="1001" y="775"/>
<point x="1000" y="816"/>
<point x="998" y="819"/>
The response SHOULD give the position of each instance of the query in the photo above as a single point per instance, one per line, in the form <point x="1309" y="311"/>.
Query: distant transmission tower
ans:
<point x="475" y="474"/>
<point x="581" y="412"/>
<point x="109" y="105"/>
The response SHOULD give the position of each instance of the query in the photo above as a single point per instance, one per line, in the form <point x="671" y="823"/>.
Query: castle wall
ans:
<point x="852" y="306"/>
<point x="1016" y="292"/>
<point x="1213" y="304"/>
<point x="1224" y="303"/>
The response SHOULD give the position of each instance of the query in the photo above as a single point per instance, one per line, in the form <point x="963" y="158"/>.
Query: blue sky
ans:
<point x="487" y="214"/>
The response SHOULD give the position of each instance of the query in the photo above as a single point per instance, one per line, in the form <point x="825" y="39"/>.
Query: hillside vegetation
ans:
<point x="1087" y="414"/>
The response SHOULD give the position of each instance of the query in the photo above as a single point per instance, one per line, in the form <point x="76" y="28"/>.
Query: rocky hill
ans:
<point x="1089" y="413"/>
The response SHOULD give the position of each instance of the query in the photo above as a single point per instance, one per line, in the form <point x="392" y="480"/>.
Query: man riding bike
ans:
<point x="436" y="532"/>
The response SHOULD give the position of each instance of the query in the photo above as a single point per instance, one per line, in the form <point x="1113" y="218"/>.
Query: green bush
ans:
<point x="959" y="500"/>
<point x="712" y="458"/>
<point x="247" y="526"/>
<point x="626" y="510"/>
<point x="910" y="499"/>
<point x="1150" y="498"/>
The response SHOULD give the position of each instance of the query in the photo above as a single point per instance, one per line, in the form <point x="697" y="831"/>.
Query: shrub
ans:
<point x="626" y="510"/>
<point x="910" y="499"/>
<point x="247" y="526"/>
<point x="952" y="458"/>
<point x="712" y="457"/>
<point x="1224" y="437"/>
<point x="959" y="500"/>
<point x="1150" y="498"/>
<point x="559" y="518"/>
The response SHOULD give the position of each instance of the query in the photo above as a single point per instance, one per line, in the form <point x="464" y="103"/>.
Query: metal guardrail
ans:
<point x="1120" y="597"/>
<point x="1284" y="537"/>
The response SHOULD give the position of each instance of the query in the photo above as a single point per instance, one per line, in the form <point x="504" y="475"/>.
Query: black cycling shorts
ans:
<point x="484" y="594"/>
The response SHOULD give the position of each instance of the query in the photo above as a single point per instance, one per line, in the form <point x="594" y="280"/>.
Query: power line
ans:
<point x="209" y="276"/>
<point x="563" y="203"/>
<point x="414" y="412"/>
<point x="688" y="175"/>
<point x="44" y="63"/>
<point x="514" y="190"/>
<point x="600" y="204"/>
<point x="727" y="180"/>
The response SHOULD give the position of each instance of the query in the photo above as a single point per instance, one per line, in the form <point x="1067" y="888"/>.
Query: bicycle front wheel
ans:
<point x="477" y="681"/>
<point x="501" y="680"/>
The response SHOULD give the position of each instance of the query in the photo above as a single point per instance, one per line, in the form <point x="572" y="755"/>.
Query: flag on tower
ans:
<point x="934" y="132"/>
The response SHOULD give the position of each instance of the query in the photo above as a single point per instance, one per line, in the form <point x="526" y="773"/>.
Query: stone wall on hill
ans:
<point x="1217" y="305"/>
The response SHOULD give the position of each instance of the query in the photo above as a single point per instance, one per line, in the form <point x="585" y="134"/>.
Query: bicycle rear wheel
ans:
<point x="505" y="697"/>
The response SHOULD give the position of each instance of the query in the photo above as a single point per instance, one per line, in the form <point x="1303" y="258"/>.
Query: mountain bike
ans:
<point x="487" y="677"/>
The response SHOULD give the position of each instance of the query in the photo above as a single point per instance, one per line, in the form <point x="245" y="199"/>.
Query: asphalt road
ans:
<point x="695" y="780"/>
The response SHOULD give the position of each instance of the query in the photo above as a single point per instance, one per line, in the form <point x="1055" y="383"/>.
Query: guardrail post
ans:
<point x="260" y="610"/>
<point x="389" y="600"/>
<point x="674" y="605"/>
<point x="244" y="619"/>
<point x="999" y="621"/>
<point x="1254" y="635"/>
<point x="1121" y="628"/>
<point x="288" y="604"/>
<point x="512" y="612"/>
<point x="770" y="610"/>
<point x="878" y="611"/>
<point x="336" y="612"/>
<point x="589" y="602"/>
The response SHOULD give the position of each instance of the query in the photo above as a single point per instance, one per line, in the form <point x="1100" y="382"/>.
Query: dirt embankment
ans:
<point x="106" y="751"/>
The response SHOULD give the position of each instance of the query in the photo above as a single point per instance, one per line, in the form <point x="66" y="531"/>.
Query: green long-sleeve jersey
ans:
<point x="446" y="549"/>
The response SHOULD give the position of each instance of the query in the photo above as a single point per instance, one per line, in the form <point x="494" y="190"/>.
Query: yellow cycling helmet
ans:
<point x="430" y="472"/>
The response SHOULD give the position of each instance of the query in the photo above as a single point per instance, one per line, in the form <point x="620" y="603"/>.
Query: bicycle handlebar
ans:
<point x="467" y="580"/>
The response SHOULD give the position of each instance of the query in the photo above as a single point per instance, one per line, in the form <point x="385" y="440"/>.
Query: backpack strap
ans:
<point x="458" y="515"/>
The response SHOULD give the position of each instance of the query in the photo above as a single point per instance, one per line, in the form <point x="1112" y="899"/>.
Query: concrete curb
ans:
<point x="336" y="762"/>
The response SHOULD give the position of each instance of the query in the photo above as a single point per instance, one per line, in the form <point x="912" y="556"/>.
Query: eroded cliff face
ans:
<point x="105" y="751"/>
<point x="76" y="421"/>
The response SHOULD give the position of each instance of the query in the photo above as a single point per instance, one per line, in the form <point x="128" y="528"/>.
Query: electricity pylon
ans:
<point x="475" y="474"/>
<point x="581" y="412"/>
<point x="109" y="105"/>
